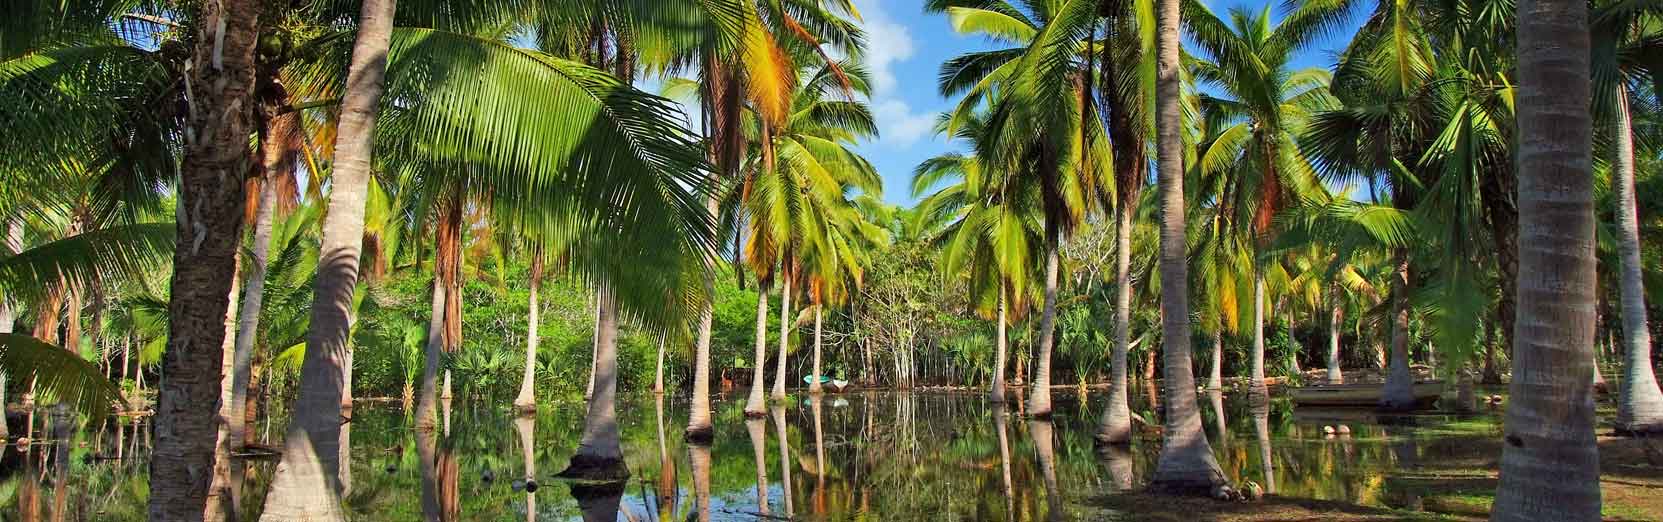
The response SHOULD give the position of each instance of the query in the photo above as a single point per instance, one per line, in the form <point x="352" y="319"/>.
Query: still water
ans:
<point x="858" y="456"/>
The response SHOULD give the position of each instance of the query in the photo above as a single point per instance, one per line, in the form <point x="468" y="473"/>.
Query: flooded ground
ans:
<point x="858" y="456"/>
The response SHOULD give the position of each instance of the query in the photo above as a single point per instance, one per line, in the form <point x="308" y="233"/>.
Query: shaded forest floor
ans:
<point x="1631" y="479"/>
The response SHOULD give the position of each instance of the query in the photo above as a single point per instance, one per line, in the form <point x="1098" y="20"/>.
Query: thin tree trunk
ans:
<point x="303" y="483"/>
<point x="1640" y="409"/>
<point x="1039" y="404"/>
<point x="786" y="320"/>
<point x="1256" y="380"/>
<point x="756" y="405"/>
<point x="594" y="350"/>
<point x="1186" y="463"/>
<point x="658" y="372"/>
<point x="814" y="387"/>
<point x="220" y="100"/>
<point x="997" y="394"/>
<point x="700" y="429"/>
<point x="1399" y="392"/>
<point x="248" y="325"/>
<point x="1335" y="317"/>
<point x="427" y="400"/>
<point x="599" y="454"/>
<point x="526" y="401"/>
<point x="1116" y="425"/>
<point x="1215" y="376"/>
<point x="1550" y="463"/>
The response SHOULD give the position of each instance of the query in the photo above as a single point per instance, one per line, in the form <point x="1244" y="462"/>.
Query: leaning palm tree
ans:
<point x="1550" y="451"/>
<point x="1186" y="463"/>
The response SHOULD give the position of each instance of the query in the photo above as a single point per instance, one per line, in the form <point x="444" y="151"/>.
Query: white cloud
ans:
<point x="888" y="46"/>
<point x="900" y="127"/>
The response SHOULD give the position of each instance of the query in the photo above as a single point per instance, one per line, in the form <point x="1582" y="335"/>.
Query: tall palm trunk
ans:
<point x="1039" y="404"/>
<point x="303" y="483"/>
<point x="814" y="387"/>
<point x="1550" y="463"/>
<point x="248" y="325"/>
<point x="1215" y="376"/>
<point x="658" y="371"/>
<point x="1256" y="380"/>
<point x="700" y="429"/>
<point x="1335" y="317"/>
<point x="600" y="455"/>
<point x="786" y="320"/>
<point x="721" y="104"/>
<point x="1116" y="424"/>
<point x="427" y="401"/>
<point x="1640" y="409"/>
<point x="1186" y="463"/>
<point x="526" y="401"/>
<point x="997" y="394"/>
<point x="1399" y="392"/>
<point x="756" y="405"/>
<point x="594" y="351"/>
<point x="220" y="102"/>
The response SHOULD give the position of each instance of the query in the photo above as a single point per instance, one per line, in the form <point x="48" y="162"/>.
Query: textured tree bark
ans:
<point x="814" y="388"/>
<point x="1550" y="463"/>
<point x="526" y="401"/>
<point x="248" y="324"/>
<point x="997" y="394"/>
<point x="1256" y="380"/>
<point x="600" y="455"/>
<point x="700" y="429"/>
<point x="427" y="400"/>
<point x="1186" y="463"/>
<point x="1335" y="317"/>
<point x="786" y="320"/>
<point x="219" y="83"/>
<point x="1215" y="375"/>
<point x="1039" y="402"/>
<point x="756" y="406"/>
<point x="1116" y="425"/>
<point x="1399" y="392"/>
<point x="304" y="485"/>
<point x="1640" y="409"/>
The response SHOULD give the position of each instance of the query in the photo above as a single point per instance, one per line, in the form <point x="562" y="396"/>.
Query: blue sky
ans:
<point x="905" y="49"/>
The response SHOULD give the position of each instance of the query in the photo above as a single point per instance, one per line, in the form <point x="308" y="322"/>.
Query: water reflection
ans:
<point x="874" y="456"/>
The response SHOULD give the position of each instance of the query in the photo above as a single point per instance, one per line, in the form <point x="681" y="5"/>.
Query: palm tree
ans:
<point x="585" y="164"/>
<point x="1265" y="105"/>
<point x="1186" y="463"/>
<point x="1619" y="31"/>
<point x="526" y="401"/>
<point x="990" y="232"/>
<point x="1045" y="135"/>
<point x="299" y="489"/>
<point x="1551" y="450"/>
